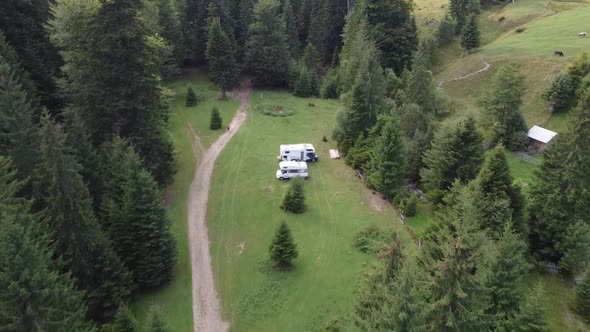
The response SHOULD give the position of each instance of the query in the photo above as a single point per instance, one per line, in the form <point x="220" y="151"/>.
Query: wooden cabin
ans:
<point x="539" y="137"/>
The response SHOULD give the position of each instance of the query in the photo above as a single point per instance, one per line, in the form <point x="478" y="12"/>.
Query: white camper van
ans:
<point x="292" y="169"/>
<point x="297" y="152"/>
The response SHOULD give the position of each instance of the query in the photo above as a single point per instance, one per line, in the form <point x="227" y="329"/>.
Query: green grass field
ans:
<point x="244" y="213"/>
<point x="175" y="300"/>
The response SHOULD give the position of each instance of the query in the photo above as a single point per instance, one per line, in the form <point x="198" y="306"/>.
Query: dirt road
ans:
<point x="206" y="307"/>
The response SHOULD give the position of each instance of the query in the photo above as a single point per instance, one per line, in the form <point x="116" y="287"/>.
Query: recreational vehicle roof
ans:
<point x="292" y="164"/>
<point x="288" y="147"/>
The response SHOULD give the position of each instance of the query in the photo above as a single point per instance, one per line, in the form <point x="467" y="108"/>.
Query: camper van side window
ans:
<point x="287" y="152"/>
<point x="293" y="171"/>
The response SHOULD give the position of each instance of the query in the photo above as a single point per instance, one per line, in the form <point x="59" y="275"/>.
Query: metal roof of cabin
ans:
<point x="541" y="134"/>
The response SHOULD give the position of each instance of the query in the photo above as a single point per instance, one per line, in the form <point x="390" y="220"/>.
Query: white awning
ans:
<point x="541" y="134"/>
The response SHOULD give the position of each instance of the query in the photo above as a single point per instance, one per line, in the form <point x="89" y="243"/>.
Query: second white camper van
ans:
<point x="292" y="169"/>
<point x="297" y="152"/>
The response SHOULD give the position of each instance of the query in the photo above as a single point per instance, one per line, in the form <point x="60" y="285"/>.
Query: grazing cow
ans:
<point x="560" y="53"/>
<point x="582" y="34"/>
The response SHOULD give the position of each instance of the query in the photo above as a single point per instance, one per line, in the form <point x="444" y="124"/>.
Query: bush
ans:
<point x="370" y="239"/>
<point x="561" y="93"/>
<point x="501" y="19"/>
<point x="324" y="138"/>
<point x="410" y="206"/>
<point x="294" y="200"/>
<point x="283" y="249"/>
<point x="191" y="97"/>
<point x="216" y="121"/>
<point x="446" y="31"/>
<point x="520" y="30"/>
<point x="274" y="110"/>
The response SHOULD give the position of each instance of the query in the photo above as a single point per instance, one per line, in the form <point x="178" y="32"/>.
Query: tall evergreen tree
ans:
<point x="456" y="153"/>
<point x="503" y="272"/>
<point x="393" y="27"/>
<point x="291" y="26"/>
<point x="194" y="26"/>
<point x="35" y="293"/>
<point x="562" y="181"/>
<point x="18" y="132"/>
<point x="362" y="104"/>
<point x="460" y="11"/>
<point x="124" y="321"/>
<point x="421" y="89"/>
<point x="496" y="183"/>
<point x="319" y="28"/>
<point x="79" y="239"/>
<point x="502" y="115"/>
<point x="470" y="35"/>
<point x="116" y="90"/>
<point x="9" y="56"/>
<point x="418" y="129"/>
<point x="356" y="46"/>
<point x="170" y="29"/>
<point x="267" y="55"/>
<point x="23" y="24"/>
<point x="283" y="249"/>
<point x="216" y="120"/>
<point x="223" y="68"/>
<point x="388" y="162"/>
<point x="531" y="316"/>
<point x="142" y="238"/>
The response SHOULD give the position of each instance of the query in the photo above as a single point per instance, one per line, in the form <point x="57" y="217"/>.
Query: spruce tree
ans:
<point x="503" y="271"/>
<point x="561" y="93"/>
<point x="393" y="27"/>
<point x="194" y="26"/>
<point x="455" y="153"/>
<point x="119" y="91"/>
<point x="496" y="183"/>
<point x="216" y="121"/>
<point x="18" y="131"/>
<point x="418" y="129"/>
<point x="446" y="31"/>
<point x="311" y="58"/>
<point x="267" y="54"/>
<point x="470" y="35"/>
<point x="9" y="56"/>
<point x="531" y="316"/>
<point x="501" y="114"/>
<point x="79" y="240"/>
<point x="421" y="89"/>
<point x="283" y="249"/>
<point x="319" y="28"/>
<point x="294" y="199"/>
<point x="142" y="238"/>
<point x="191" y="97"/>
<point x="35" y="292"/>
<point x="388" y="162"/>
<point x="574" y="245"/>
<point x="291" y="28"/>
<point x="362" y="104"/>
<point x="170" y="30"/>
<point x="561" y="182"/>
<point x="220" y="53"/>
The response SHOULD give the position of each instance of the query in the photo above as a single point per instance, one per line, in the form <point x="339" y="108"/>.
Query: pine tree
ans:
<point x="574" y="246"/>
<point x="503" y="271"/>
<point x="470" y="35"/>
<point x="119" y="91"/>
<point x="267" y="55"/>
<point x="561" y="93"/>
<point x="191" y="97"/>
<point x="124" y="321"/>
<point x="583" y="298"/>
<point x="388" y="162"/>
<point x="34" y="291"/>
<point x="291" y="28"/>
<point x="171" y="30"/>
<point x="216" y="121"/>
<point x="531" y="316"/>
<point x="156" y="322"/>
<point x="303" y="86"/>
<point x="9" y="56"/>
<point x="311" y="58"/>
<point x="460" y="11"/>
<point x="143" y="239"/>
<point x="456" y="153"/>
<point x="446" y="31"/>
<point x="496" y="183"/>
<point x="421" y="89"/>
<point x="393" y="27"/>
<point x="294" y="200"/>
<point x="283" y="249"/>
<point x="220" y="53"/>
<point x="357" y="46"/>
<point x="329" y="85"/>
<point x="319" y="28"/>
<point x="79" y="240"/>
<point x="18" y="131"/>
<point x="418" y="129"/>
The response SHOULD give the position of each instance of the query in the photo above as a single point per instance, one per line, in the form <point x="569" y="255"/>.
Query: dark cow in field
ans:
<point x="560" y="53"/>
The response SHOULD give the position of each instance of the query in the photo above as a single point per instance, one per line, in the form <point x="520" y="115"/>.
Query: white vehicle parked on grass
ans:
<point x="297" y="152"/>
<point x="292" y="169"/>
